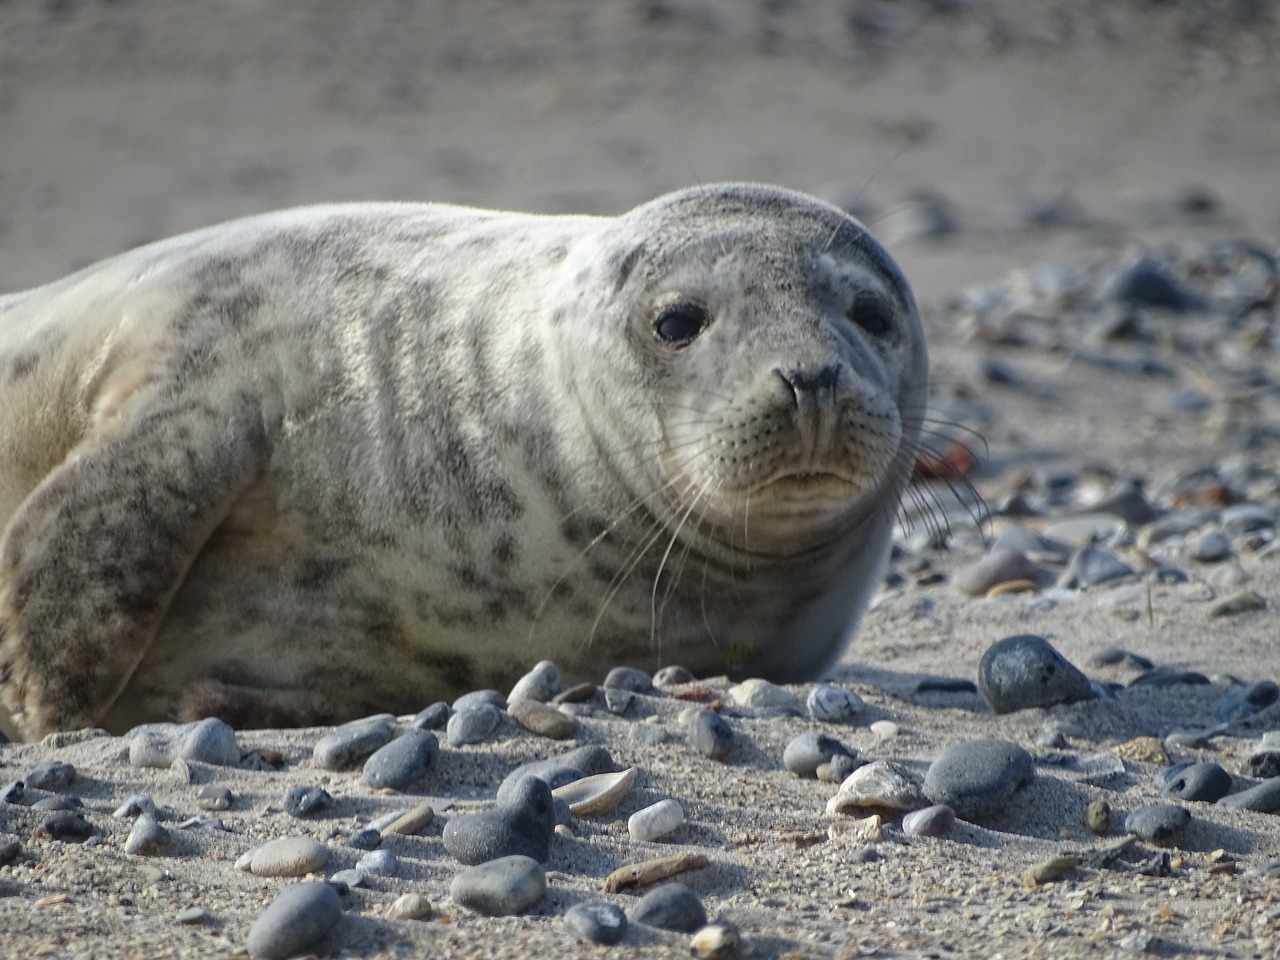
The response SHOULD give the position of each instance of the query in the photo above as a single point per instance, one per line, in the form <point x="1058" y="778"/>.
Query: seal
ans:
<point x="343" y="459"/>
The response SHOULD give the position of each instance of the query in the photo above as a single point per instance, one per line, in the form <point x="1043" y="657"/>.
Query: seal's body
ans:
<point x="337" y="460"/>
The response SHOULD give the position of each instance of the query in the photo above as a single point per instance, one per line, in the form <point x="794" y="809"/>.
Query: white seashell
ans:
<point x="597" y="794"/>
<point x="881" y="785"/>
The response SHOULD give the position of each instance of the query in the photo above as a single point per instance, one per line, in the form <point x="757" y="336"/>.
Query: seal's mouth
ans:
<point x="811" y="486"/>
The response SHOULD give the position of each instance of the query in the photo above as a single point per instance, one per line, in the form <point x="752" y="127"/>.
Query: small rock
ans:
<point x="1263" y="797"/>
<point x="618" y="701"/>
<point x="57" y="802"/>
<point x="52" y="776"/>
<point x="998" y="566"/>
<point x="1097" y="817"/>
<point x="501" y="887"/>
<point x="628" y="678"/>
<point x="137" y="804"/>
<point x="1092" y="566"/>
<point x="714" y="941"/>
<point x="884" y="729"/>
<point x="559" y="770"/>
<point x="1026" y="671"/>
<point x="838" y="768"/>
<point x="431" y="718"/>
<point x="352" y="743"/>
<point x="478" y="697"/>
<point x="1244" y="701"/>
<point x="1264" y="761"/>
<point x="303" y="801"/>
<point x="1210" y="547"/>
<point x="379" y="863"/>
<point x="878" y="786"/>
<point x="809" y="750"/>
<point x="1166" y="677"/>
<point x="831" y="704"/>
<point x="1158" y="822"/>
<point x="410" y="906"/>
<point x="521" y="826"/>
<point x="1145" y="282"/>
<point x="366" y="839"/>
<point x="597" y="922"/>
<point x="978" y="778"/>
<point x="472" y="724"/>
<point x="212" y="796"/>
<point x="672" y="906"/>
<point x="147" y="836"/>
<point x="288" y="857"/>
<point x="10" y="850"/>
<point x="656" y="820"/>
<point x="1245" y="602"/>
<point x="67" y="826"/>
<point x="758" y="694"/>
<point x="673" y="676"/>
<point x="1054" y="868"/>
<point x="1205" y="782"/>
<point x="411" y="821"/>
<point x="299" y="917"/>
<point x="710" y="734"/>
<point x="933" y="821"/>
<point x="190" y="915"/>
<point x="544" y="720"/>
<point x="401" y="763"/>
<point x="541" y="684"/>
<point x="350" y="878"/>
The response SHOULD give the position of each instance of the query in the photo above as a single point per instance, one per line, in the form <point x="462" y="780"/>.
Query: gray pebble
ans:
<point x="286" y="857"/>
<point x="629" y="679"/>
<point x="350" y="878"/>
<point x="190" y="915"/>
<point x="597" y="922"/>
<point x="1146" y="282"/>
<point x="1248" y="518"/>
<point x="147" y="836"/>
<point x="1092" y="566"/>
<point x="136" y="804"/>
<point x="433" y="717"/>
<point x="1157" y="822"/>
<point x="945" y="685"/>
<point x="673" y="676"/>
<point x="1168" y="677"/>
<point x="304" y="801"/>
<point x="1206" y="782"/>
<point x="401" y="763"/>
<point x="837" y="768"/>
<point x="561" y="769"/>
<point x="379" y="863"/>
<point x="999" y="566"/>
<point x="299" y="917"/>
<point x="67" y="826"/>
<point x="205" y="741"/>
<point x="351" y="744"/>
<point x="617" y="701"/>
<point x="500" y="888"/>
<point x="543" y="719"/>
<point x="477" y="697"/>
<point x="13" y="792"/>
<point x="1244" y="701"/>
<point x="10" y="850"/>
<point x="978" y="778"/>
<point x="213" y="796"/>
<point x="472" y="724"/>
<point x="52" y="776"/>
<point x="831" y="704"/>
<point x="366" y="839"/>
<point x="710" y="734"/>
<point x="1026" y="671"/>
<point x="656" y="820"/>
<point x="541" y="684"/>
<point x="672" y="906"/>
<point x="933" y="821"/>
<point x="1263" y="797"/>
<point x="58" y="802"/>
<point x="809" y="750"/>
<point x="1210" y="547"/>
<point x="523" y="825"/>
<point x="1264" y="761"/>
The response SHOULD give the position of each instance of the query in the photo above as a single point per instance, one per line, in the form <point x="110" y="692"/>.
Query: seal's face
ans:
<point x="788" y="370"/>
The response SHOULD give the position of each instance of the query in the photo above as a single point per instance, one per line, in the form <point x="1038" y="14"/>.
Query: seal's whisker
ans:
<point x="662" y="563"/>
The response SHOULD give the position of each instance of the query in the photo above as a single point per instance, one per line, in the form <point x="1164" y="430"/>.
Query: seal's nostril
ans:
<point x="789" y="384"/>
<point x="811" y="381"/>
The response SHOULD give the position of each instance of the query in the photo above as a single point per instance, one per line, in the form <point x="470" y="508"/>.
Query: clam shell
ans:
<point x="881" y="785"/>
<point x="598" y="794"/>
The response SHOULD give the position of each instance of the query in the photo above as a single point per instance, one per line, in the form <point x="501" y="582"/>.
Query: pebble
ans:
<point x="656" y="820"/>
<point x="302" y="801"/>
<point x="1264" y="760"/>
<point x="52" y="776"/>
<point x="541" y="683"/>
<point x="1248" y="518"/>
<point x="472" y="724"/>
<point x="758" y="694"/>
<point x="1244" y="701"/>
<point x="379" y="863"/>
<point x="411" y="821"/>
<point x="831" y="704"/>
<point x="57" y="802"/>
<point x="1092" y="566"/>
<point x="367" y="839"/>
<point x="137" y="804"/>
<point x="559" y="770"/>
<point x="714" y="941"/>
<point x="710" y="734"/>
<point x="838" y="768"/>
<point x="544" y="720"/>
<point x="213" y="796"/>
<point x="1145" y="282"/>
<point x="999" y="566"/>
<point x="147" y="836"/>
<point x="673" y="676"/>
<point x="672" y="906"/>
<point x="286" y="857"/>
<point x="617" y="701"/>
<point x="1169" y="677"/>
<point x="350" y="878"/>
<point x="401" y="763"/>
<point x="1097" y="817"/>
<point x="933" y="821"/>
<point x="1205" y="782"/>
<point x="882" y="786"/>
<point x="522" y="825"/>
<point x="1026" y="671"/>
<point x="945" y="685"/>
<point x="978" y="778"/>
<point x="205" y="741"/>
<point x="809" y="750"/>
<point x="300" y="916"/>
<point x="1246" y="601"/>
<point x="1086" y="529"/>
<point x="10" y="850"/>
<point x="884" y="729"/>
<point x="478" y="697"/>
<point x="190" y="915"/>
<point x="501" y="887"/>
<point x="1157" y="822"/>
<point x="67" y="826"/>
<point x="433" y="717"/>
<point x="597" y="922"/>
<point x="410" y="906"/>
<point x="1211" y="547"/>
<point x="628" y="678"/>
<point x="13" y="792"/>
<point x="1263" y="797"/>
<point x="351" y="744"/>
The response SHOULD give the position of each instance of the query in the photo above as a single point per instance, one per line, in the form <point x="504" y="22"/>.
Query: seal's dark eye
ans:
<point x="873" y="315"/>
<point x="681" y="323"/>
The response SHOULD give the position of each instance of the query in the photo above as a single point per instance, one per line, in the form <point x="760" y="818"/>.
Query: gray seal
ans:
<point x="337" y="460"/>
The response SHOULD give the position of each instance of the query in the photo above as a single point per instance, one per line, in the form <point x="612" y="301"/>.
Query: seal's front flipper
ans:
<point x="92" y="558"/>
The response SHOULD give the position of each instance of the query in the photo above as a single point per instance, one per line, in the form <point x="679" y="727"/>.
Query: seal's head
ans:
<point x="783" y="361"/>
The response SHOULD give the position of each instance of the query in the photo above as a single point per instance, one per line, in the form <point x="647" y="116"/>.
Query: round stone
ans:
<point x="351" y="744"/>
<point x="758" y="694"/>
<point x="1001" y="565"/>
<point x="210" y="741"/>
<point x="477" y="697"/>
<point x="302" y="801"/>
<point x="299" y="917"/>
<point x="541" y="683"/>
<point x="673" y="676"/>
<point x="831" y="704"/>
<point x="366" y="839"/>
<point x="1026" y="671"/>
<point x="472" y="724"/>
<point x="522" y="825"/>
<point x="656" y="820"/>
<point x="628" y="678"/>
<point x="542" y="719"/>
<point x="1158" y="822"/>
<point x="288" y="857"/>
<point x="410" y="906"/>
<point x="350" y="878"/>
<point x="597" y="922"/>
<point x="672" y="906"/>
<point x="1092" y="566"/>
<point x="710" y="734"/>
<point x="401" y="763"/>
<point x="213" y="796"/>
<point x="379" y="863"/>
<point x="810" y="750"/>
<point x="433" y="717"/>
<point x="1206" y="782"/>
<point x="147" y="836"/>
<point x="501" y="887"/>
<point x="978" y="778"/>
<point x="67" y="826"/>
<point x="1097" y="817"/>
<point x="1245" y="701"/>
<point x="934" y="821"/>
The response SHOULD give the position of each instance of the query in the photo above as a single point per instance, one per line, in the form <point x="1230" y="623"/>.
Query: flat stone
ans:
<point x="1026" y="671"/>
<point x="367" y="839"/>
<point x="1241" y="702"/>
<point x="656" y="820"/>
<point x="352" y="743"/>
<point x="501" y="887"/>
<point x="67" y="826"/>
<point x="477" y="697"/>
<point x="350" y="878"/>
<point x="830" y="704"/>
<point x="1092" y="566"/>
<point x="809" y="750"/>
<point x="214" y="796"/>
<point x="52" y="776"/>
<point x="597" y="922"/>
<point x="672" y="906"/>
<point x="673" y="676"/>
<point x="978" y="778"/>
<point x="301" y="915"/>
<point x="1157" y="822"/>
<point x="190" y="915"/>
<point x="544" y="720"/>
<point x="472" y="724"/>
<point x="288" y="857"/>
<point x="402" y="763"/>
<point x="379" y="863"/>
<point x="410" y="906"/>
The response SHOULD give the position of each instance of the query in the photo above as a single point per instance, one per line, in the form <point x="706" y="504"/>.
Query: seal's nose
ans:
<point x="809" y="380"/>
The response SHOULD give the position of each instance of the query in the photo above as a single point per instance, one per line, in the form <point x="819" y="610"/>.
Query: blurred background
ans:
<point x="973" y="134"/>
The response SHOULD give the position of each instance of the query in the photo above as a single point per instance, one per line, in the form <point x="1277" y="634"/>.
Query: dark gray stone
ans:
<point x="477" y="697"/>
<point x="523" y="825"/>
<point x="1205" y="782"/>
<point x="1157" y="822"/>
<point x="978" y="778"/>
<point x="673" y="676"/>
<point x="500" y="888"/>
<point x="52" y="776"/>
<point x="932" y="821"/>
<point x="561" y="769"/>
<point x="301" y="915"/>
<point x="710" y="734"/>
<point x="672" y="906"/>
<point x="1026" y="671"/>
<point x="472" y="724"/>
<point x="379" y="863"/>
<point x="366" y="839"/>
<point x="1262" y="797"/>
<point x="1092" y="566"/>
<point x="352" y="743"/>
<point x="401" y="763"/>
<point x="1168" y="677"/>
<point x="304" y="801"/>
<point x="67" y="826"/>
<point x="433" y="717"/>
<point x="809" y="750"/>
<point x="628" y="678"/>
<point x="1242" y="702"/>
<point x="597" y="922"/>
